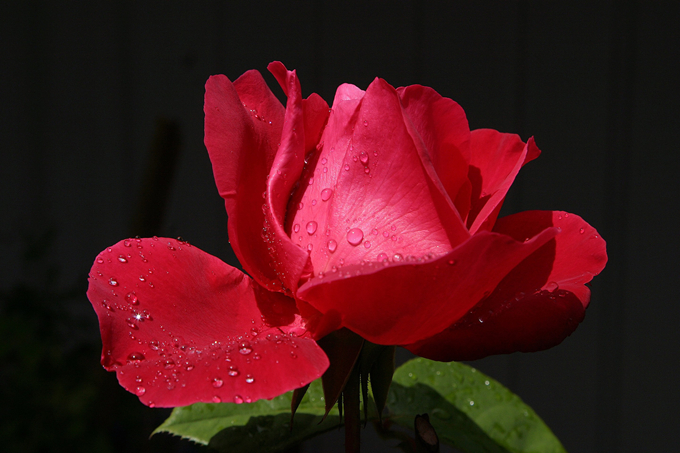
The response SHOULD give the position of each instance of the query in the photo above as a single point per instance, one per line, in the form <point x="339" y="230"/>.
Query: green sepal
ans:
<point x="381" y="377"/>
<point x="296" y="399"/>
<point x="342" y="348"/>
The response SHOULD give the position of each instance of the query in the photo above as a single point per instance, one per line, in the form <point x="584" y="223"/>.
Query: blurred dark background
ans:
<point x="93" y="93"/>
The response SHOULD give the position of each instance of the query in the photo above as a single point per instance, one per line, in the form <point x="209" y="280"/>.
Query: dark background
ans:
<point x="85" y="86"/>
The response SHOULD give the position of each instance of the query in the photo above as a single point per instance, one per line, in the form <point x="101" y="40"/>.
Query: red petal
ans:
<point x="496" y="160"/>
<point x="179" y="326"/>
<point x="408" y="299"/>
<point x="442" y="127"/>
<point x="368" y="193"/>
<point x="538" y="304"/>
<point x="243" y="124"/>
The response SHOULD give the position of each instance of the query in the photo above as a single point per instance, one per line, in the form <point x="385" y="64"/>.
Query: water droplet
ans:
<point x="141" y="278"/>
<point x="113" y="282"/>
<point x="189" y="367"/>
<point x="135" y="357"/>
<point x="138" y="379"/>
<point x="382" y="257"/>
<point x="217" y="382"/>
<point x="309" y="247"/>
<point x="169" y="364"/>
<point x="365" y="122"/>
<point x="249" y="379"/>
<point x="132" y="298"/>
<point x="139" y="391"/>
<point x="216" y="399"/>
<point x="238" y="399"/>
<point x="367" y="245"/>
<point x="311" y="181"/>
<point x="452" y="262"/>
<point x="552" y="286"/>
<point x="122" y="259"/>
<point x="472" y="403"/>
<point x="127" y="243"/>
<point x="153" y="344"/>
<point x="233" y="372"/>
<point x="245" y="349"/>
<point x="324" y="161"/>
<point x="367" y="170"/>
<point x="346" y="167"/>
<point x="355" y="236"/>
<point x="301" y="205"/>
<point x="296" y="228"/>
<point x="332" y="245"/>
<point x="582" y="230"/>
<point x="363" y="157"/>
<point x="311" y="227"/>
<point x="100" y="260"/>
<point x="326" y="194"/>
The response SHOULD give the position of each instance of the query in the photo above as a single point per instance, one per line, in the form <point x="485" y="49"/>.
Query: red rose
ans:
<point x="378" y="215"/>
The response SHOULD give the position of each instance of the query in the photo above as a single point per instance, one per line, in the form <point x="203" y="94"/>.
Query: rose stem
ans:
<point x="350" y="398"/>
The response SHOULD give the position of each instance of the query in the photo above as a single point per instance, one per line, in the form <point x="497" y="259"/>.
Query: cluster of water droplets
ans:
<point x="170" y="358"/>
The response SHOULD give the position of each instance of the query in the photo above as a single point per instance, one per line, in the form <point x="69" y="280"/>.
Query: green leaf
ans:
<point x="201" y="422"/>
<point x="469" y="410"/>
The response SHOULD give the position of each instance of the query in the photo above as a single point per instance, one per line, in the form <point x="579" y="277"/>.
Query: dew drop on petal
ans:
<point x="382" y="257"/>
<point x="233" y="372"/>
<point x="355" y="236"/>
<point x="216" y="399"/>
<point x="113" y="281"/>
<point x="245" y="349"/>
<point x="367" y="245"/>
<point x="122" y="259"/>
<point x="238" y="399"/>
<point x="139" y="391"/>
<point x="332" y="245"/>
<point x="397" y="257"/>
<point x="296" y="228"/>
<point x="582" y="230"/>
<point x="135" y="357"/>
<point x="100" y="260"/>
<point x="552" y="286"/>
<point x="311" y="227"/>
<point x="326" y="194"/>
<point x="249" y="379"/>
<point x="132" y="298"/>
<point x="217" y="382"/>
<point x="324" y="161"/>
<point x="346" y="167"/>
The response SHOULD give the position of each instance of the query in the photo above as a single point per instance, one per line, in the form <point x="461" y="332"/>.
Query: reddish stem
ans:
<point x="351" y="402"/>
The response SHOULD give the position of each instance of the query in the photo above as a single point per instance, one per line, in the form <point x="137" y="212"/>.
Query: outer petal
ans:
<point x="496" y="160"/>
<point x="403" y="302"/>
<point x="536" y="305"/>
<point x="286" y="258"/>
<point x="368" y="194"/>
<point x="243" y="124"/>
<point x="179" y="326"/>
<point x="441" y="125"/>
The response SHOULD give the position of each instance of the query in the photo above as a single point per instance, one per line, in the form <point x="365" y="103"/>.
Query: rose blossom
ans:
<point x="378" y="215"/>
